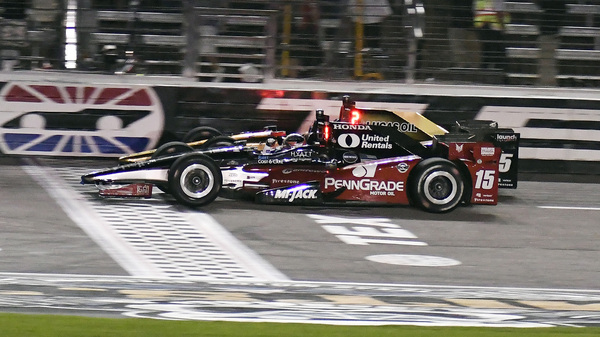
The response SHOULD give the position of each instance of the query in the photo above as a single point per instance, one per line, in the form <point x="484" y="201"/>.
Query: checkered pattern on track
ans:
<point x="174" y="242"/>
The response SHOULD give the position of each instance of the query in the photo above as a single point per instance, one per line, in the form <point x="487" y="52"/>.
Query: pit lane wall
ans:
<point x="69" y="114"/>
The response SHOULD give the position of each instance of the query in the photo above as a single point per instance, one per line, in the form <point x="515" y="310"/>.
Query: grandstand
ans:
<point x="255" y="41"/>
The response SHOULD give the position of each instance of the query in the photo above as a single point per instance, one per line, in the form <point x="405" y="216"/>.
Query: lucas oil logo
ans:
<point x="402" y="127"/>
<point x="365" y="141"/>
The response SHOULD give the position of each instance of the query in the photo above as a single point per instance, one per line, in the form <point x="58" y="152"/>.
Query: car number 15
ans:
<point x="485" y="179"/>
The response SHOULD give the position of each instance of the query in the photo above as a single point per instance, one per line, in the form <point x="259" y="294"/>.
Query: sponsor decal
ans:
<point x="342" y="126"/>
<point x="300" y="170"/>
<point x="482" y="197"/>
<point x="302" y="154"/>
<point x="131" y="190"/>
<point x="366" y="141"/>
<point x="402" y="127"/>
<point x="275" y="161"/>
<point x="349" y="140"/>
<point x="403" y="167"/>
<point x="286" y="181"/>
<point x="506" y="138"/>
<point x="350" y="157"/>
<point x="373" y="186"/>
<point x="459" y="147"/>
<point x="235" y="178"/>
<point x="291" y="195"/>
<point x="365" y="171"/>
<point x="488" y="151"/>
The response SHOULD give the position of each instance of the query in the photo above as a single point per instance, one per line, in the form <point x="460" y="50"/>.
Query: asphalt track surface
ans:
<point x="532" y="260"/>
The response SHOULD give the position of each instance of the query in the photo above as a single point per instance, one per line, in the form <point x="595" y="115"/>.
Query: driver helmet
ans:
<point x="293" y="140"/>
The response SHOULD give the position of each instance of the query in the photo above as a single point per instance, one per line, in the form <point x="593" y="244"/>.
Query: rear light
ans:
<point x="326" y="132"/>
<point x="354" y="116"/>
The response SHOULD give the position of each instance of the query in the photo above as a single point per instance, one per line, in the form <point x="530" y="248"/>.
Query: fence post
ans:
<point x="270" y="61"/>
<point x="191" y="33"/>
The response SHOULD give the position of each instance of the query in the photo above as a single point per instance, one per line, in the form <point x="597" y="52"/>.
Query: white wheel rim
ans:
<point x="434" y="176"/>
<point x="196" y="181"/>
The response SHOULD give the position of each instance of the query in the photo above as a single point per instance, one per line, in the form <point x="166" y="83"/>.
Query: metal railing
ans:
<point x="257" y="40"/>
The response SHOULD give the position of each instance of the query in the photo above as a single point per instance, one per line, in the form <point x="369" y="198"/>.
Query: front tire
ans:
<point x="195" y="180"/>
<point x="168" y="149"/>
<point x="437" y="185"/>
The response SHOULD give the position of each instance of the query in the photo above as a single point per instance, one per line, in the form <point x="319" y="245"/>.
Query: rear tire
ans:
<point x="195" y="180"/>
<point x="218" y="141"/>
<point x="171" y="148"/>
<point x="201" y="133"/>
<point x="436" y="185"/>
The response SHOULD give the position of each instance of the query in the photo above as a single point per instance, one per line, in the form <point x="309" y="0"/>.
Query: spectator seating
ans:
<point x="246" y="40"/>
<point x="522" y="48"/>
<point x="159" y="39"/>
<point x="578" y="55"/>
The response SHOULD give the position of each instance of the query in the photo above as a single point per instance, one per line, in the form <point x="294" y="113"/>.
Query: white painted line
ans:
<point x="94" y="226"/>
<point x="160" y="232"/>
<point x="238" y="251"/>
<point x="571" y="208"/>
<point x="413" y="260"/>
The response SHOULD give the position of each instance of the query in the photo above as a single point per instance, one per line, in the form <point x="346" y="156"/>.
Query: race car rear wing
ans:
<point x="421" y="129"/>
<point x="487" y="131"/>
<point x="413" y="124"/>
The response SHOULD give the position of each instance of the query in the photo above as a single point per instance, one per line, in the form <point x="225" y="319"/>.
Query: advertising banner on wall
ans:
<point x="61" y="118"/>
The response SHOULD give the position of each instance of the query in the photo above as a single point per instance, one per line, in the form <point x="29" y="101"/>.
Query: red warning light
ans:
<point x="354" y="116"/>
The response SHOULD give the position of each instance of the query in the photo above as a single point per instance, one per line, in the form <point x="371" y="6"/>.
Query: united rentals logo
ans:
<point x="366" y="141"/>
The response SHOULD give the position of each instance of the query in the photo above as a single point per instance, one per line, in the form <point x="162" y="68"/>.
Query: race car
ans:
<point x="364" y="156"/>
<point x="202" y="138"/>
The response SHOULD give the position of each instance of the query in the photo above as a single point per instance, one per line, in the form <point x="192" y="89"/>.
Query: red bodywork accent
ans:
<point x="378" y="181"/>
<point x="131" y="190"/>
<point x="481" y="159"/>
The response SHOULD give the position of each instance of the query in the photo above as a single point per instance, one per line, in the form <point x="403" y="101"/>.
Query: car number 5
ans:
<point x="505" y="162"/>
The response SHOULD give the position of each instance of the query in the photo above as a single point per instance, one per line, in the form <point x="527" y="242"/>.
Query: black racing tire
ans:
<point x="436" y="185"/>
<point x="218" y="141"/>
<point x="201" y="133"/>
<point x="167" y="149"/>
<point x="171" y="148"/>
<point x="195" y="180"/>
